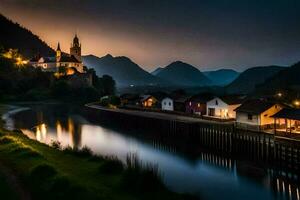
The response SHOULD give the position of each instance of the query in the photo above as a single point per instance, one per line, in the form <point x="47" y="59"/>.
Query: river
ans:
<point x="205" y="174"/>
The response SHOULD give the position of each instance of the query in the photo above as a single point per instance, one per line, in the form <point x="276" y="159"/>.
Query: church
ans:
<point x="71" y="61"/>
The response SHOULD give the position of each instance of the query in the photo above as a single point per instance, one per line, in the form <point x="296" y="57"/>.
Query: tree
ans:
<point x="85" y="69"/>
<point x="107" y="85"/>
<point x="60" y="89"/>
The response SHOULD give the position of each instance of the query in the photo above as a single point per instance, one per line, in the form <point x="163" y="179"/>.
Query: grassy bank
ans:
<point x="6" y="190"/>
<point x="52" y="173"/>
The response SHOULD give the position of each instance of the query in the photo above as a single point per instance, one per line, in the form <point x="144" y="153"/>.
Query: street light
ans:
<point x="297" y="103"/>
<point x="279" y="94"/>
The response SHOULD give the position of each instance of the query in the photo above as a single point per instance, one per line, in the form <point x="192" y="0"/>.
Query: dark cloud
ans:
<point x="207" y="33"/>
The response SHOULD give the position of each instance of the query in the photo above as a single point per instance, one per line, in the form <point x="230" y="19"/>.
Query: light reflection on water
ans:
<point x="209" y="176"/>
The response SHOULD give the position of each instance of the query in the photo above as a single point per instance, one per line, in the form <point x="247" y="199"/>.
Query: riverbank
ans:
<point x="157" y="115"/>
<point x="52" y="173"/>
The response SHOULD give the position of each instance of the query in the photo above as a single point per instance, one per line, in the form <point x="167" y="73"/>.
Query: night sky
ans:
<point x="209" y="34"/>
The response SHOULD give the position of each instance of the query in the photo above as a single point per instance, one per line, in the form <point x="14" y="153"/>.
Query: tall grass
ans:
<point x="141" y="177"/>
<point x="111" y="165"/>
<point x="83" y="152"/>
<point x="55" y="144"/>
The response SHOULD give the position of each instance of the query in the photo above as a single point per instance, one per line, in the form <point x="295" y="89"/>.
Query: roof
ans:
<point x="159" y="95"/>
<point x="233" y="99"/>
<point x="202" y="98"/>
<point x="68" y="59"/>
<point x="167" y="97"/>
<point x="145" y="97"/>
<point x="254" y="106"/>
<point x="49" y="59"/>
<point x="288" y="113"/>
<point x="58" y="47"/>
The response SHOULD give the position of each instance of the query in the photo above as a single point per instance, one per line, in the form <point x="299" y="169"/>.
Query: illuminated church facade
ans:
<point x="71" y="61"/>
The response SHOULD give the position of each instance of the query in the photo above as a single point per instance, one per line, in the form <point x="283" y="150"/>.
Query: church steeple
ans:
<point x="75" y="49"/>
<point x="58" y="53"/>
<point x="76" y="41"/>
<point x="58" y="47"/>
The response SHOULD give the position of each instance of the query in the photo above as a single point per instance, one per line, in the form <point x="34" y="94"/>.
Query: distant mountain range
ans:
<point x="182" y="74"/>
<point x="284" y="80"/>
<point x="156" y="71"/>
<point x="122" y="69"/>
<point x="221" y="77"/>
<point x="249" y="79"/>
<point x="12" y="35"/>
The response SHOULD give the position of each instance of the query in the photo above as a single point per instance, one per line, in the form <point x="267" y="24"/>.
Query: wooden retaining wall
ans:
<point x="225" y="139"/>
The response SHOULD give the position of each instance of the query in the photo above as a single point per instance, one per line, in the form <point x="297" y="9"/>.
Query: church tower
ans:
<point x="75" y="49"/>
<point x="58" y="53"/>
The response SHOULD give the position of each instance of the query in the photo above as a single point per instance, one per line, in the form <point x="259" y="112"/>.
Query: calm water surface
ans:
<point x="207" y="175"/>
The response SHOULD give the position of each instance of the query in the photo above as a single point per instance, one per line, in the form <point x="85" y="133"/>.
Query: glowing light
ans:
<point x="59" y="130"/>
<point x="44" y="131"/>
<point x="20" y="61"/>
<point x="70" y="71"/>
<point x="38" y="134"/>
<point x="24" y="62"/>
<point x="279" y="94"/>
<point x="297" y="103"/>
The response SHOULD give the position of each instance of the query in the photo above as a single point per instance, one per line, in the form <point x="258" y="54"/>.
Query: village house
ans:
<point x="197" y="104"/>
<point x="158" y="96"/>
<point x="223" y="107"/>
<point x="148" y="101"/>
<point x="287" y="122"/>
<point x="52" y="64"/>
<point x="180" y="102"/>
<point x="256" y="114"/>
<point x="167" y="104"/>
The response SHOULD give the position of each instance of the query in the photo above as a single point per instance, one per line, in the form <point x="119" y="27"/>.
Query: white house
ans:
<point x="256" y="114"/>
<point x="167" y="104"/>
<point x="223" y="107"/>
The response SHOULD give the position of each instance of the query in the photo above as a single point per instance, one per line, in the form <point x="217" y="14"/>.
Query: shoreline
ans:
<point x="78" y="168"/>
<point x="157" y="115"/>
<point x="9" y="111"/>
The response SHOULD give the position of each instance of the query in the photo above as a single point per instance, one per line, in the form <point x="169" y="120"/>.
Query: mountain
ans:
<point x="221" y="77"/>
<point x="286" y="79"/>
<point x="183" y="74"/>
<point x="249" y="79"/>
<point x="12" y="35"/>
<point x="156" y="71"/>
<point x="124" y="71"/>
